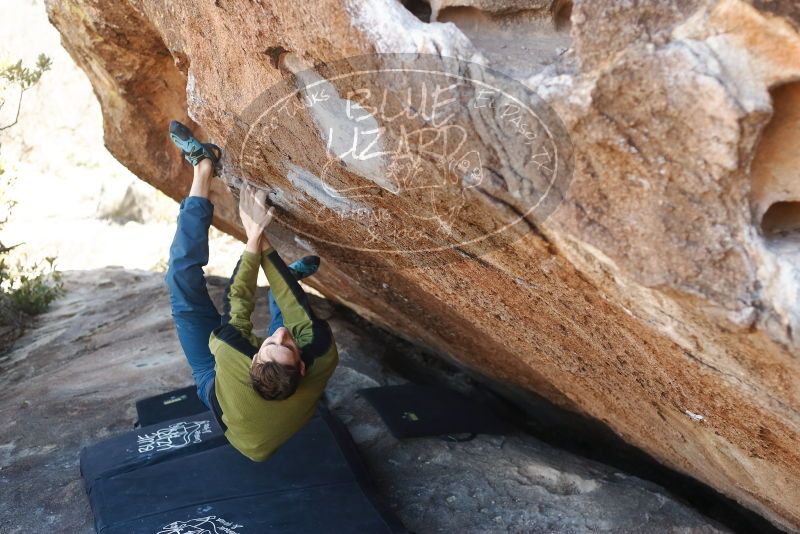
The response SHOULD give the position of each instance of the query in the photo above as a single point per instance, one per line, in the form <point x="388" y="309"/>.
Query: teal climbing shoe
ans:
<point x="304" y="267"/>
<point x="193" y="150"/>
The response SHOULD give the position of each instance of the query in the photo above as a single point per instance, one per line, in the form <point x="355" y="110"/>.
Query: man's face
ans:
<point x="280" y="348"/>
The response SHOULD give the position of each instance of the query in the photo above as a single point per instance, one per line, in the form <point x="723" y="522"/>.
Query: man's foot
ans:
<point x="193" y="150"/>
<point x="304" y="267"/>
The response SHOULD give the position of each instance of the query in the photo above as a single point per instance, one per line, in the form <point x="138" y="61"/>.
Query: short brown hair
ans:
<point x="274" y="381"/>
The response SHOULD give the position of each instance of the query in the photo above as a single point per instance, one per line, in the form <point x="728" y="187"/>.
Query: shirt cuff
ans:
<point x="250" y="256"/>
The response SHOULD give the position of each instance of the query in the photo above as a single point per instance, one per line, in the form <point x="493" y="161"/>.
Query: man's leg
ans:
<point x="276" y="318"/>
<point x="194" y="314"/>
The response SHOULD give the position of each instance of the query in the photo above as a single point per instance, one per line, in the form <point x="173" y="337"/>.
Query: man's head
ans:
<point x="277" y="367"/>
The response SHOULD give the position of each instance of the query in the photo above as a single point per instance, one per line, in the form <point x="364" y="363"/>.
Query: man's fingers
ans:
<point x="253" y="206"/>
<point x="250" y="195"/>
<point x="267" y="218"/>
<point x="261" y="198"/>
<point x="245" y="196"/>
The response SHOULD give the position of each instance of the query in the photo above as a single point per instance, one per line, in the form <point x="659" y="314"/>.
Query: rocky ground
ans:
<point x="72" y="380"/>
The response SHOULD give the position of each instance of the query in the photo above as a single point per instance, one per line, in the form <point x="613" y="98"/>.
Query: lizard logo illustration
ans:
<point x="201" y="525"/>
<point x="175" y="436"/>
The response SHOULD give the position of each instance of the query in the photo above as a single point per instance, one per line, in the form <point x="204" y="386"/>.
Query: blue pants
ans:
<point x="194" y="314"/>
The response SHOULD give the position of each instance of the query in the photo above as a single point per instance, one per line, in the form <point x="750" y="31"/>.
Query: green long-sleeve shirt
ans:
<point x="257" y="427"/>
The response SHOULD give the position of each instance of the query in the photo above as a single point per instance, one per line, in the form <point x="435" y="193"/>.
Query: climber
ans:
<point x="261" y="390"/>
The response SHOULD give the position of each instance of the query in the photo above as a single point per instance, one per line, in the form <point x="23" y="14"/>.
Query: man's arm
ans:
<point x="312" y="335"/>
<point x="240" y="294"/>
<point x="237" y="328"/>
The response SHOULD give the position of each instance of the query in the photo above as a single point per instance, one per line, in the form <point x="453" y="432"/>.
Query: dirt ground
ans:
<point x="72" y="380"/>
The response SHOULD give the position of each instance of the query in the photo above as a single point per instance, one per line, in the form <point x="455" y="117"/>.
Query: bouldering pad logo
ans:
<point x="201" y="525"/>
<point x="174" y="436"/>
<point x="402" y="154"/>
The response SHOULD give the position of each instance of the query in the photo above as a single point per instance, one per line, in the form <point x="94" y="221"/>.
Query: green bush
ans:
<point x="26" y="289"/>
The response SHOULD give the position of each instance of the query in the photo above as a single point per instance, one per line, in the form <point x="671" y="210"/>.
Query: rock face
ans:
<point x="111" y="340"/>
<point x="616" y="229"/>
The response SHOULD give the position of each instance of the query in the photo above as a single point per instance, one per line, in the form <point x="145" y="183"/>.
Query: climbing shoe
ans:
<point x="304" y="267"/>
<point x="193" y="150"/>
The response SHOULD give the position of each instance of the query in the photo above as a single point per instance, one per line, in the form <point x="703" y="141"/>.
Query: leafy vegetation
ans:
<point x="26" y="289"/>
<point x="16" y="77"/>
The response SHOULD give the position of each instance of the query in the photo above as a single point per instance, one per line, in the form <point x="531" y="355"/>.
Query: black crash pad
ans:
<point x="150" y="445"/>
<point x="414" y="411"/>
<point x="199" y="483"/>
<point x="182" y="402"/>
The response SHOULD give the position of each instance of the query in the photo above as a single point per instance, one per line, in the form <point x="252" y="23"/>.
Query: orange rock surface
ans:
<point x="643" y="271"/>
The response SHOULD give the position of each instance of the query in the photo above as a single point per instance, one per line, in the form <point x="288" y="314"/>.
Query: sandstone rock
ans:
<point x="660" y="297"/>
<point x="74" y="377"/>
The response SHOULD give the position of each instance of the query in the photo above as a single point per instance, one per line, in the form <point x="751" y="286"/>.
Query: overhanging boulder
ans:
<point x="649" y="279"/>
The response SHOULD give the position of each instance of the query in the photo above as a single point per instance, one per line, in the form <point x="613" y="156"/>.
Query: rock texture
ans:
<point x="661" y="297"/>
<point x="74" y="377"/>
